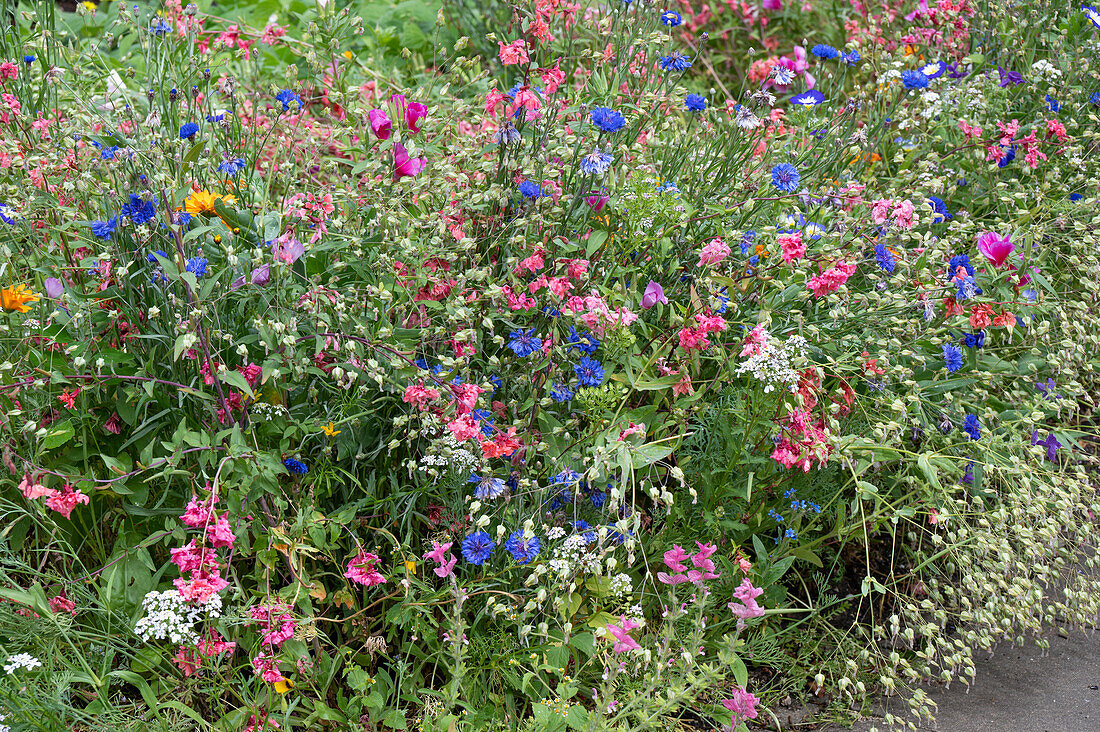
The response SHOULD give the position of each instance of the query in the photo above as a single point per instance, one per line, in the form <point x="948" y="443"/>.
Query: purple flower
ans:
<point x="261" y="275"/>
<point x="54" y="288"/>
<point x="1009" y="77"/>
<point x="654" y="294"/>
<point x="1050" y="443"/>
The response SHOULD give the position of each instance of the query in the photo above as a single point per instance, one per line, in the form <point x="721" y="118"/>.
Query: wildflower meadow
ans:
<point x="541" y="365"/>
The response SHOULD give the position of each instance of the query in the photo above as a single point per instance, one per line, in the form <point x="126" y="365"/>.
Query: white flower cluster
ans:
<point x="1046" y="71"/>
<point x="573" y="555"/>
<point x="21" y="660"/>
<point x="776" y="362"/>
<point x="621" y="585"/>
<point x="169" y="616"/>
<point x="268" y="412"/>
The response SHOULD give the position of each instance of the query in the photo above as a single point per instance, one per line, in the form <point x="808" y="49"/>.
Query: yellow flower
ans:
<point x="202" y="202"/>
<point x="89" y="6"/>
<point x="14" y="299"/>
<point x="330" y="430"/>
<point x="410" y="565"/>
<point x="283" y="686"/>
<point x="349" y="55"/>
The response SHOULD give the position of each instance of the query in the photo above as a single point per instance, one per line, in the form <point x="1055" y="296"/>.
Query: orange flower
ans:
<point x="14" y="299"/>
<point x="202" y="202"/>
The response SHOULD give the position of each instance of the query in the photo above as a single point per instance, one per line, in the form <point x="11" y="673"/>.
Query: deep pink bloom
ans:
<point x="446" y="560"/>
<point x="742" y="704"/>
<point x="654" y="294"/>
<point x="995" y="247"/>
<point x="362" y="569"/>
<point x="597" y="201"/>
<point x="403" y="165"/>
<point x="380" y="124"/>
<point x="748" y="607"/>
<point x="675" y="557"/>
<point x="65" y="500"/>
<point x="623" y="641"/>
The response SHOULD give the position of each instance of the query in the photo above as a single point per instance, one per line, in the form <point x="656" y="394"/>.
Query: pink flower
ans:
<point x="623" y="641"/>
<point x="222" y="533"/>
<point x="903" y="214"/>
<point x="465" y="427"/>
<point x="713" y="252"/>
<point x="403" y="165"/>
<point x="189" y="558"/>
<point x="755" y="342"/>
<point x="419" y="395"/>
<point x="653" y="294"/>
<point x="199" y="513"/>
<point x="742" y="704"/>
<point x="287" y="248"/>
<point x="62" y="604"/>
<point x="361" y="569"/>
<point x="201" y="586"/>
<point x="413" y="114"/>
<point x="514" y="53"/>
<point x="693" y="339"/>
<point x="792" y="246"/>
<point x="831" y="279"/>
<point x="34" y="490"/>
<point x="380" y="124"/>
<point x="597" y="201"/>
<point x="446" y="560"/>
<point x="748" y="607"/>
<point x="675" y="557"/>
<point x="995" y="247"/>
<point x="65" y="500"/>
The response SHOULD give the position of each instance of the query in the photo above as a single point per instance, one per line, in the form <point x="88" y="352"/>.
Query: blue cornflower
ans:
<point x="885" y="257"/>
<point x="7" y="214"/>
<point x="671" y="18"/>
<point x="972" y="427"/>
<point x="1053" y="104"/>
<point x="530" y="190"/>
<point x="477" y="547"/>
<point x="197" y="266"/>
<point x="1095" y="99"/>
<point x="974" y="340"/>
<point x="959" y="260"/>
<point x="295" y="466"/>
<point x="487" y="487"/>
<point x="523" y="344"/>
<point x="965" y="287"/>
<point x="596" y="162"/>
<point x="824" y="51"/>
<point x="585" y="530"/>
<point x="496" y="381"/>
<point x="583" y="342"/>
<point x="215" y="118"/>
<point x="523" y="549"/>
<point x="785" y="177"/>
<point x="695" y="103"/>
<point x="952" y="357"/>
<point x="608" y="120"/>
<point x="851" y="57"/>
<point x="1007" y="158"/>
<point x="188" y="130"/>
<point x="152" y="258"/>
<point x="108" y="153"/>
<point x="914" y="79"/>
<point x="232" y="166"/>
<point x="28" y="59"/>
<point x="158" y="27"/>
<point x="104" y="229"/>
<point x="561" y="393"/>
<point x="139" y="210"/>
<point x="939" y="210"/>
<point x="598" y="498"/>
<point x="286" y="96"/>
<point x="421" y="363"/>
<point x="589" y="372"/>
<point x="676" y="61"/>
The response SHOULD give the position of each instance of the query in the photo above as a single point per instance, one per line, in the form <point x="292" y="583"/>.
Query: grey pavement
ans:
<point x="1021" y="689"/>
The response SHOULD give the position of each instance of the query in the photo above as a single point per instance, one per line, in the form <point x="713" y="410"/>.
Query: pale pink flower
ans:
<point x="713" y="252"/>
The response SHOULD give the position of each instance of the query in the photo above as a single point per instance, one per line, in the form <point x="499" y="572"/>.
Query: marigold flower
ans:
<point x="202" y="202"/>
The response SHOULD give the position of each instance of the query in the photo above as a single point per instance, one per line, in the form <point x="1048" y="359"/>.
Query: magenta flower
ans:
<point x="445" y="559"/>
<point x="380" y="124"/>
<point x="742" y="704"/>
<point x="413" y="112"/>
<point x="403" y="165"/>
<point x="747" y="607"/>
<point x="995" y="247"/>
<point x="621" y="633"/>
<point x="597" y="201"/>
<point x="654" y="294"/>
<point x="362" y="569"/>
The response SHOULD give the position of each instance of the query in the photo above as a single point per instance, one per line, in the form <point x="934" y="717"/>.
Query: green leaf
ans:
<point x="649" y="453"/>
<point x="193" y="154"/>
<point x="236" y="378"/>
<point x="929" y="471"/>
<point x="58" y="435"/>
